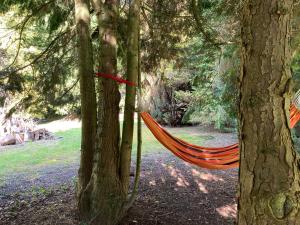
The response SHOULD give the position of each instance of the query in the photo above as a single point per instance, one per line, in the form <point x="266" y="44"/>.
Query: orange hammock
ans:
<point x="210" y="158"/>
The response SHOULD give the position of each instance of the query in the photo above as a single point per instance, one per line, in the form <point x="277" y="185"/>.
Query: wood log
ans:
<point x="28" y="136"/>
<point x="19" y="138"/>
<point x="8" y="139"/>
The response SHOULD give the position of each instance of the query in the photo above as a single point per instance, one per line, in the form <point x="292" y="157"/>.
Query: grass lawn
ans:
<point x="35" y="155"/>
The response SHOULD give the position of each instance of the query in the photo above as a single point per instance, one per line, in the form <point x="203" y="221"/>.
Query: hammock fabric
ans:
<point x="210" y="158"/>
<point x="205" y="157"/>
<point x="294" y="116"/>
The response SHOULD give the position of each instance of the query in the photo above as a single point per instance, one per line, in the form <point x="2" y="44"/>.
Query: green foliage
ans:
<point x="43" y="72"/>
<point x="170" y="35"/>
<point x="23" y="4"/>
<point x="14" y="83"/>
<point x="57" y="16"/>
<point x="207" y="4"/>
<point x="165" y="24"/>
<point x="296" y="70"/>
<point x="214" y="78"/>
<point x="296" y="50"/>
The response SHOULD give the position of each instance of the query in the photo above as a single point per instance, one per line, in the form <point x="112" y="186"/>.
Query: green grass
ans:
<point x="35" y="155"/>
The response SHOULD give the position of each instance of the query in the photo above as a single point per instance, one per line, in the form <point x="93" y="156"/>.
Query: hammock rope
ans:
<point x="219" y="158"/>
<point x="116" y="78"/>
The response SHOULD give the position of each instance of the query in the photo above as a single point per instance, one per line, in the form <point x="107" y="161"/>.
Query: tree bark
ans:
<point x="104" y="195"/>
<point x="132" y="75"/>
<point x="269" y="170"/>
<point x="104" y="200"/>
<point x="88" y="96"/>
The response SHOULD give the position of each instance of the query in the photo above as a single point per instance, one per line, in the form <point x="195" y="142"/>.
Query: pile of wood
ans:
<point x="18" y="130"/>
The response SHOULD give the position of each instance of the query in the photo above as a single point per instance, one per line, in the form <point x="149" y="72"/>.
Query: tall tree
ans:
<point x="105" y="198"/>
<point x="87" y="90"/>
<point x="106" y="194"/>
<point x="130" y="98"/>
<point x="269" y="169"/>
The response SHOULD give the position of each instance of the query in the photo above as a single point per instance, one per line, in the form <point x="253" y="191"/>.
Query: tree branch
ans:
<point x="68" y="90"/>
<point x="23" y="24"/>
<point x="200" y="25"/>
<point x="7" y="71"/>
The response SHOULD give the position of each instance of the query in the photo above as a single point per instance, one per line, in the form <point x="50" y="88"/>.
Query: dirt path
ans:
<point x="171" y="192"/>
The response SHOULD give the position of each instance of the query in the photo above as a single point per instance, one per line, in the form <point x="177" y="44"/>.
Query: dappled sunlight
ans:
<point x="206" y="176"/>
<point x="175" y="173"/>
<point x="201" y="196"/>
<point x="200" y="179"/>
<point x="228" y="211"/>
<point x="152" y="183"/>
<point x="202" y="187"/>
<point x="163" y="180"/>
<point x="181" y="182"/>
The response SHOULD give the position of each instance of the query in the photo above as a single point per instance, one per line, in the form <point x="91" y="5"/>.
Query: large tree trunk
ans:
<point x="269" y="169"/>
<point x="104" y="200"/>
<point x="88" y="96"/>
<point x="105" y="190"/>
<point x="132" y="75"/>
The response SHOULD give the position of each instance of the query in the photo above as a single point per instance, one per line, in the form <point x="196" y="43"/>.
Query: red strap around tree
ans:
<point x="116" y="78"/>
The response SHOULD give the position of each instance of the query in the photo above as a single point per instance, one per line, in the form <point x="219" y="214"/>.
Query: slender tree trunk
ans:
<point x="132" y="75"/>
<point x="88" y="96"/>
<point x="269" y="169"/>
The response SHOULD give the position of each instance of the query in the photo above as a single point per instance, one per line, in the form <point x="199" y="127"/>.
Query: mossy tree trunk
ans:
<point x="130" y="98"/>
<point x="269" y="169"/>
<point x="105" y="193"/>
<point x="88" y="96"/>
<point x="105" y="199"/>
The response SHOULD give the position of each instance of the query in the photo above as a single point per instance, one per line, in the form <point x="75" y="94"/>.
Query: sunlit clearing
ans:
<point x="228" y="211"/>
<point x="61" y="125"/>
<point x="181" y="181"/>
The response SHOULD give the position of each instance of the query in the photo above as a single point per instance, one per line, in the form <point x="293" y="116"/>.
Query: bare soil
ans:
<point x="171" y="192"/>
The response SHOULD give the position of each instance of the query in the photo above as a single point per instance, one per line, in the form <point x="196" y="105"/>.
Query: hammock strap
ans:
<point x="116" y="78"/>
